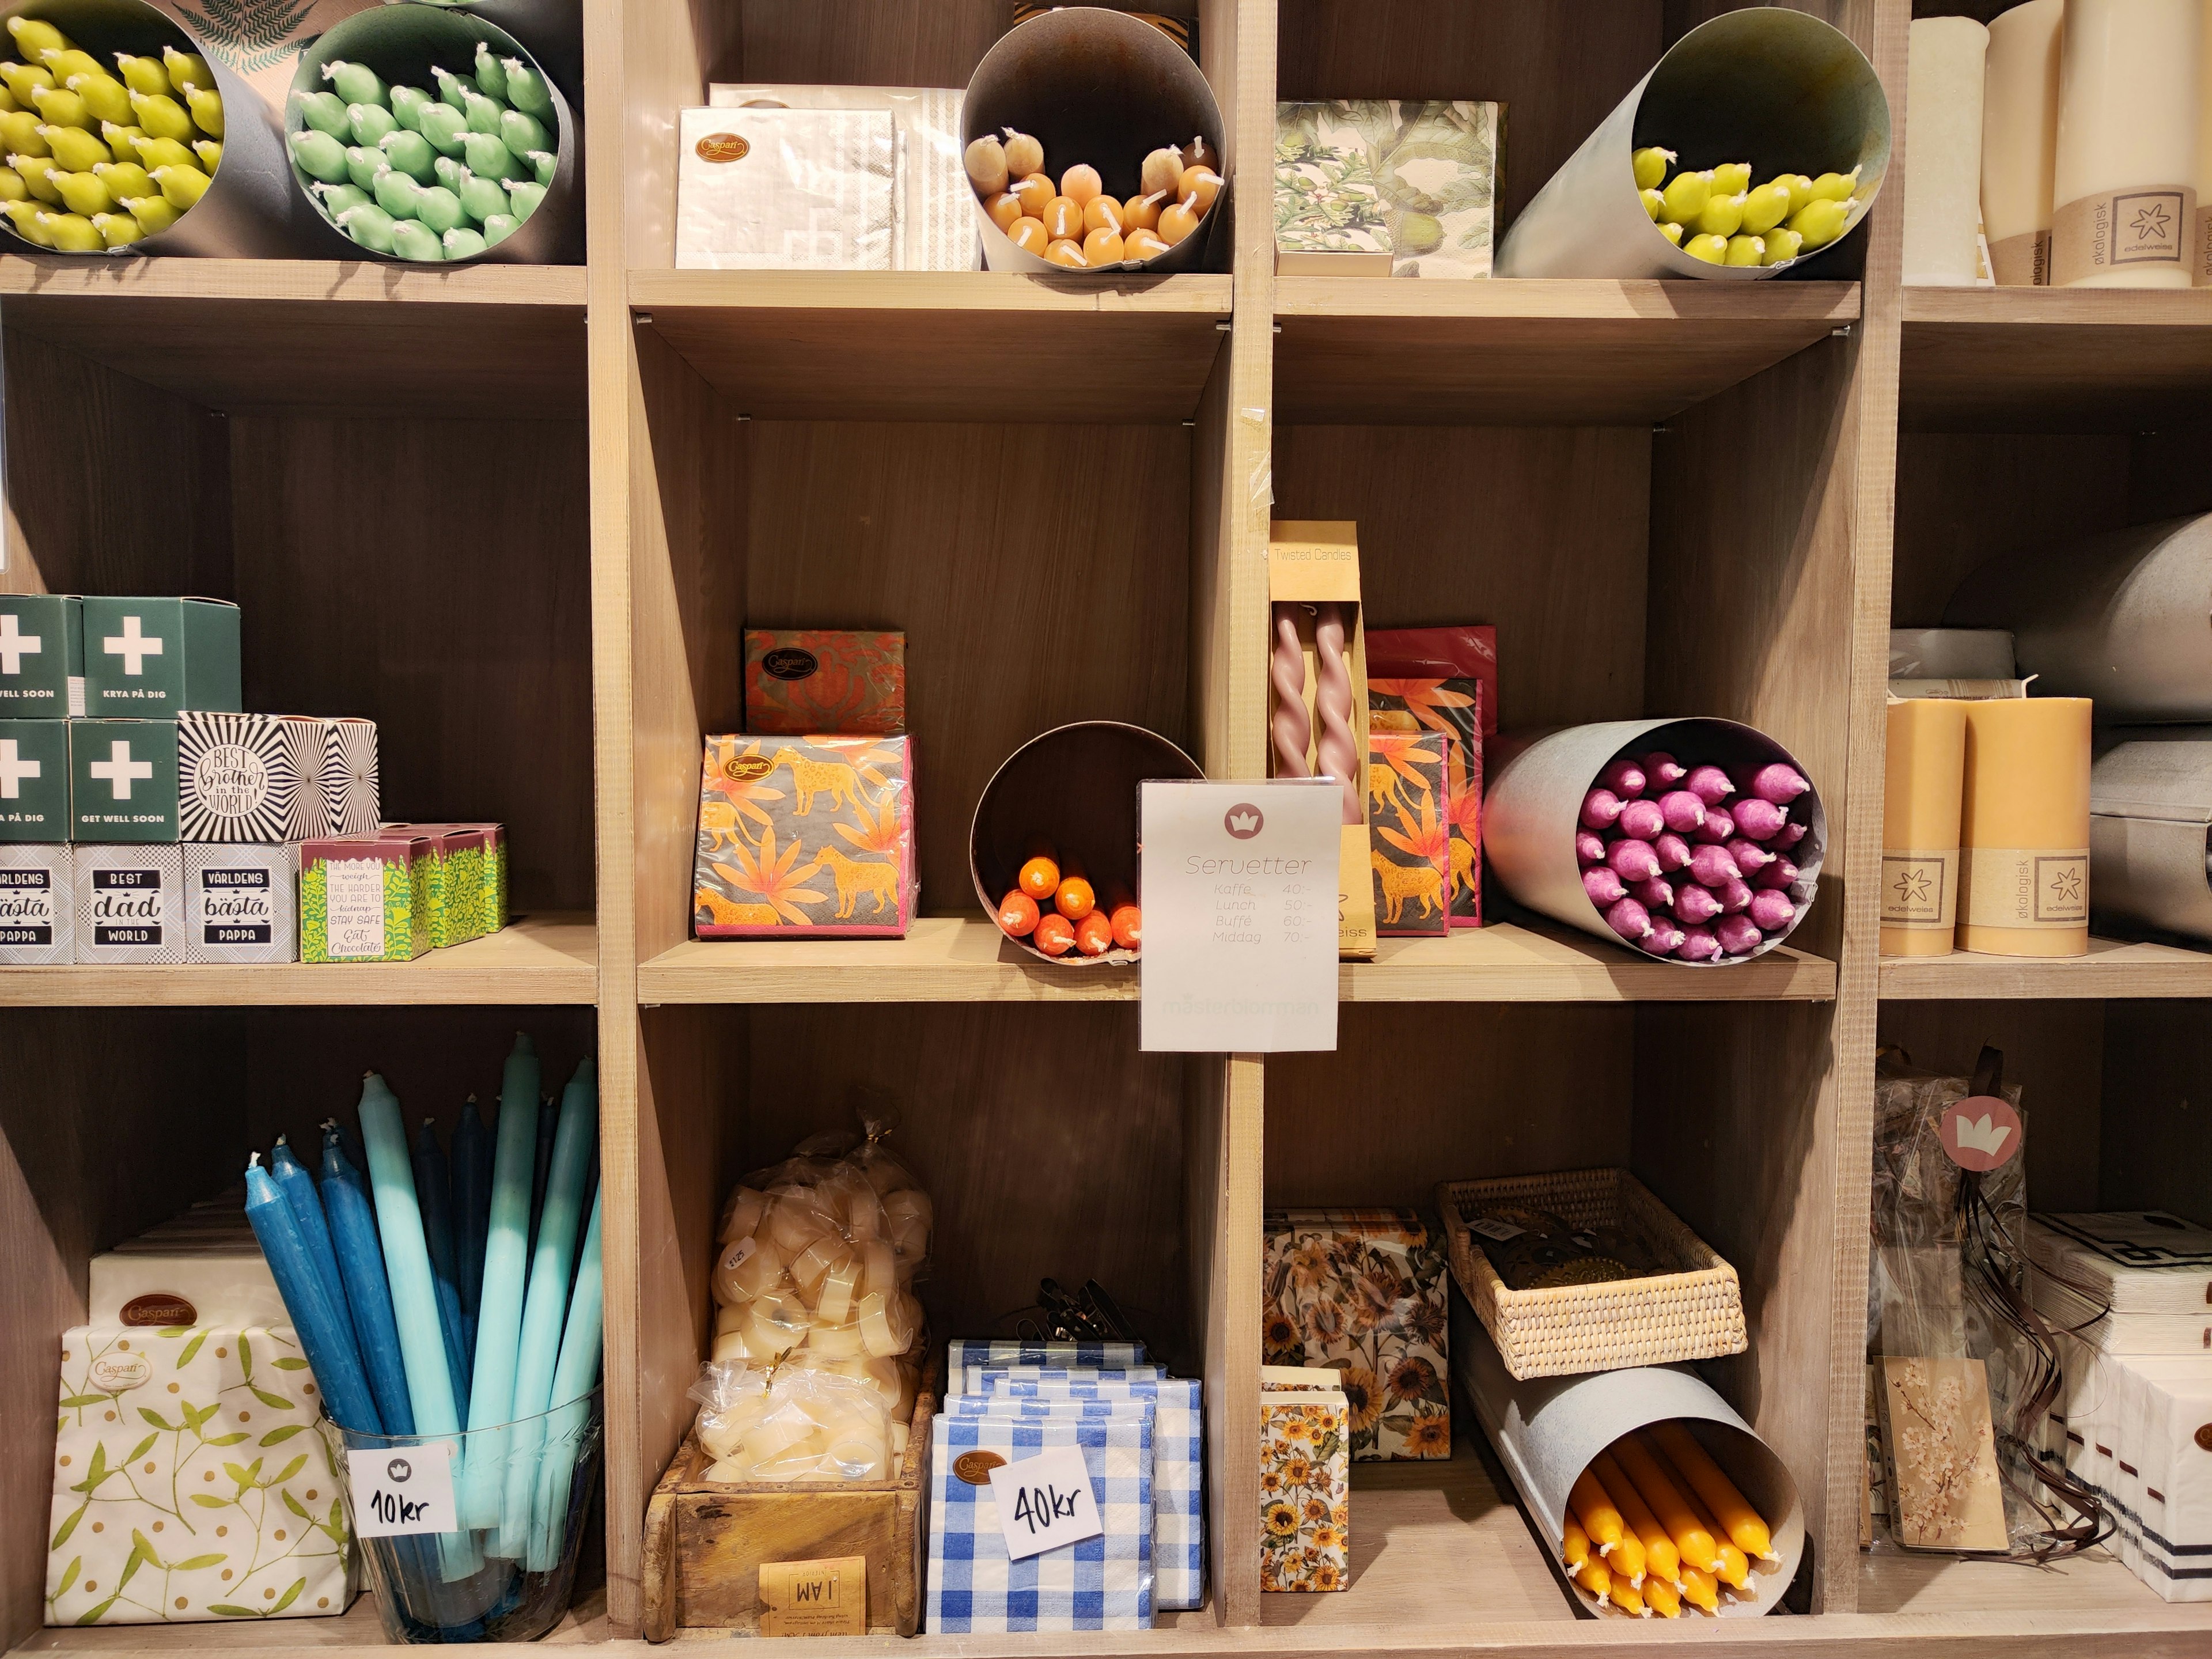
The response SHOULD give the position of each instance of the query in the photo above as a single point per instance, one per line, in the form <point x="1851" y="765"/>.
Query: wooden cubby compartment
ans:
<point x="522" y="515"/>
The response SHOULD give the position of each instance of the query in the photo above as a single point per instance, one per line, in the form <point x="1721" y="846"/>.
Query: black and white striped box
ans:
<point x="336" y="762"/>
<point x="236" y="777"/>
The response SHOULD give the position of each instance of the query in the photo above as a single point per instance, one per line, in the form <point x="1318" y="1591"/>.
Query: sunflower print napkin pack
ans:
<point x="1361" y="1292"/>
<point x="1305" y="1480"/>
<point x="805" y="838"/>
<point x="190" y="1480"/>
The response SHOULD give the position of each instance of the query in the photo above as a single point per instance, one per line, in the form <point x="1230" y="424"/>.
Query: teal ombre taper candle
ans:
<point x="499" y="1314"/>
<point x="298" y="1187"/>
<point x="432" y="1192"/>
<point x="548" y="1120"/>
<point x="472" y="1214"/>
<point x="552" y="1265"/>
<point x="574" y="1375"/>
<point x="325" y="1337"/>
<point x="369" y="1296"/>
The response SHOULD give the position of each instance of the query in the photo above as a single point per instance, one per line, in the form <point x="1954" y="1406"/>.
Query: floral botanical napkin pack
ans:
<point x="1396" y="187"/>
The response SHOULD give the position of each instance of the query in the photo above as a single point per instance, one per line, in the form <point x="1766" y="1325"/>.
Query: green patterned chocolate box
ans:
<point x="364" y="899"/>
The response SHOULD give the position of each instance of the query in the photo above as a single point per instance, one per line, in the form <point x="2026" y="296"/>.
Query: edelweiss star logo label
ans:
<point x="1912" y="887"/>
<point x="2151" y="223"/>
<point x="2066" y="887"/>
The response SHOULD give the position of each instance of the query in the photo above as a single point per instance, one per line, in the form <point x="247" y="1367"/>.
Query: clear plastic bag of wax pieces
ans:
<point x="781" y="1423"/>
<point x="816" y="1257"/>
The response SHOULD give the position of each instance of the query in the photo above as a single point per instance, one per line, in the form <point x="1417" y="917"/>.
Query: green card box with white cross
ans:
<point x="34" y="771"/>
<point x="153" y="658"/>
<point x="123" y="780"/>
<point x="41" y="656"/>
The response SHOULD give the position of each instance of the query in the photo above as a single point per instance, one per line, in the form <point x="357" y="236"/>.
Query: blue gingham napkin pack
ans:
<point x="1098" y="1583"/>
<point x="965" y="1351"/>
<point x="983" y="1378"/>
<point x="1178" y="1465"/>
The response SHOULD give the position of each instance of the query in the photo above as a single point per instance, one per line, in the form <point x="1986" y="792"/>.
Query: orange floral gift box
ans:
<point x="803" y="837"/>
<point x="825" y="679"/>
<point x="1361" y="1292"/>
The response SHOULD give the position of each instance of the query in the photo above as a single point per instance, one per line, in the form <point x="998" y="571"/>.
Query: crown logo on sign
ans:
<point x="1982" y="1134"/>
<point x="1243" y="820"/>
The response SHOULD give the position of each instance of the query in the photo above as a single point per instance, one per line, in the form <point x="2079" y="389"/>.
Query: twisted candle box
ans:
<point x="1337" y="752"/>
<point x="1290" y="727"/>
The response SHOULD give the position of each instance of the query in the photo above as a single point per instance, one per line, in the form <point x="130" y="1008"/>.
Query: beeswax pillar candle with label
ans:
<point x="1944" y="175"/>
<point x="2019" y="140"/>
<point x="2024" y="828"/>
<point x="1924" y="771"/>
<point x="2201" y="242"/>
<point x="2124" y="182"/>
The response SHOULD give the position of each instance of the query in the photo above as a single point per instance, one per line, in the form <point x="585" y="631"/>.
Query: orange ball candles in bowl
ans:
<point x="1072" y="221"/>
<point x="1057" y="910"/>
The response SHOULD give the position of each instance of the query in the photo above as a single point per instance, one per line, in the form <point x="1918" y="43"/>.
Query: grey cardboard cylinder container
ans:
<point x="1533" y="806"/>
<point x="250" y="211"/>
<point x="2124" y="618"/>
<point x="1546" y="1431"/>
<point x="1099" y="87"/>
<point x="401" y="43"/>
<point x="1779" y="89"/>
<point x="2150" y="817"/>
<point x="553" y="30"/>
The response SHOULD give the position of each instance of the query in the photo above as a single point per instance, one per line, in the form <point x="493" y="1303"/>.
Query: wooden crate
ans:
<point x="704" y="1543"/>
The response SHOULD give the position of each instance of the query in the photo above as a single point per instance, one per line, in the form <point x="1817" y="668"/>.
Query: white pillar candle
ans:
<point x="879" y="1267"/>
<point x="2123" y="179"/>
<point x="808" y="1267"/>
<point x="2020" y="139"/>
<point x="1943" y="158"/>
<point x="839" y="1285"/>
<point x="834" y="1342"/>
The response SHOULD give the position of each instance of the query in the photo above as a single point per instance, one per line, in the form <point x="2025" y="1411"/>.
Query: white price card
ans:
<point x="400" y="1490"/>
<point x="1045" y="1502"/>
<point x="1240" y="883"/>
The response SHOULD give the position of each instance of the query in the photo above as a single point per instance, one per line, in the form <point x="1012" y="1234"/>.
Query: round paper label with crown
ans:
<point x="1981" y="1132"/>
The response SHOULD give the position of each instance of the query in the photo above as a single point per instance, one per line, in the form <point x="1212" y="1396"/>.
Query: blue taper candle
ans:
<point x="433" y="1192"/>
<point x="298" y="1187"/>
<point x="498" y="1317"/>
<point x="360" y="1264"/>
<point x="356" y="1175"/>
<point x="548" y="1120"/>
<point x="552" y="1266"/>
<point x="574" y="1375"/>
<point x="324" y="1335"/>
<point x="472" y="1214"/>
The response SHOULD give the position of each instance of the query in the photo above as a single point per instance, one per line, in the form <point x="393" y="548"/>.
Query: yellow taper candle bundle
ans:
<point x="1593" y="1577"/>
<point x="1662" y="1598"/>
<point x="1699" y="1589"/>
<point x="1596" y="1513"/>
<point x="1574" y="1544"/>
<point x="1744" y="1527"/>
<point x="1694" y="1541"/>
<point x="1924" y="771"/>
<point x="2024" y="828"/>
<point x="1660" y="1558"/>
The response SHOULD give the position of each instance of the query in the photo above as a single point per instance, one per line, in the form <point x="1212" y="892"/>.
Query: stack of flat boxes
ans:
<point x="143" y="818"/>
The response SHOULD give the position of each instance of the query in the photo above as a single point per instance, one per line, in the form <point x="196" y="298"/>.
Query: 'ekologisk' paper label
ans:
<point x="2022" y="261"/>
<point x="1919" y="889"/>
<point x="2025" y="886"/>
<point x="2144" y="228"/>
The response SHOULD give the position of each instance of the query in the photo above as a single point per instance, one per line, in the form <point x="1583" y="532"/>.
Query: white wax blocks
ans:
<point x="242" y="902"/>
<point x="38" y="905"/>
<point x="130" y="904"/>
<point x="190" y="1482"/>
<point x="785" y="189"/>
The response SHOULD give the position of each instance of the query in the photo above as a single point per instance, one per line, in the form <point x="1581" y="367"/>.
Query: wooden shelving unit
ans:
<point x="520" y="515"/>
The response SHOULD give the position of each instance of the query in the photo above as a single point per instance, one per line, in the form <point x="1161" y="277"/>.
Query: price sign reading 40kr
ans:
<point x="1239" y="895"/>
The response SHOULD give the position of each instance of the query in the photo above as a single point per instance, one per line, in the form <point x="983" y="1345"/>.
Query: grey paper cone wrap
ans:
<point x="1775" y="87"/>
<point x="2150" y="810"/>
<point x="1546" y="1431"/>
<point x="1533" y="806"/>
<point x="2124" y="619"/>
<point x="1103" y="87"/>
<point x="250" y="211"/>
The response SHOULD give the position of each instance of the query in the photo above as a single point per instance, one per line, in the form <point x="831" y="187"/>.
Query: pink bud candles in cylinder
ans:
<point x="2124" y="183"/>
<point x="1924" y="767"/>
<point x="2019" y="140"/>
<point x="2024" y="828"/>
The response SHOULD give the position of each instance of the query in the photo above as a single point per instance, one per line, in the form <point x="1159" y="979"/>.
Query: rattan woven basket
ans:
<point x="1691" y="1314"/>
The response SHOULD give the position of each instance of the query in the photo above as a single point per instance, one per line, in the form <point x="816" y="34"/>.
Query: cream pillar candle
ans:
<point x="2024" y="828"/>
<point x="1943" y="162"/>
<point x="2124" y="181"/>
<point x="1925" y="767"/>
<point x="2203" y="243"/>
<point x="2020" y="139"/>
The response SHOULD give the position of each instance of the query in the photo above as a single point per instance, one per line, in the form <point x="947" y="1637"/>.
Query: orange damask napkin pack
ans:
<point x="825" y="679"/>
<point x="806" y="836"/>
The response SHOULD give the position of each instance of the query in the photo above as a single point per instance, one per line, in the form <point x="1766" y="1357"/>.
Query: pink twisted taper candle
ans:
<point x="1289" y="726"/>
<point x="1337" y="753"/>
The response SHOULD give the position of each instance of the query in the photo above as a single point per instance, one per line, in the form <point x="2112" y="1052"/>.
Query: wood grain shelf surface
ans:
<point x="942" y="345"/>
<point x="2060" y="359"/>
<point x="1500" y="353"/>
<point x="2112" y="969"/>
<point x="347" y="337"/>
<point x="964" y="959"/>
<point x="537" y="960"/>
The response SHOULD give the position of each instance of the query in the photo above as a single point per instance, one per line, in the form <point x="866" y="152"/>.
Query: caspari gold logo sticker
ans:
<point x="975" y="1468"/>
<point x="723" y="146"/>
<point x="745" y="768"/>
